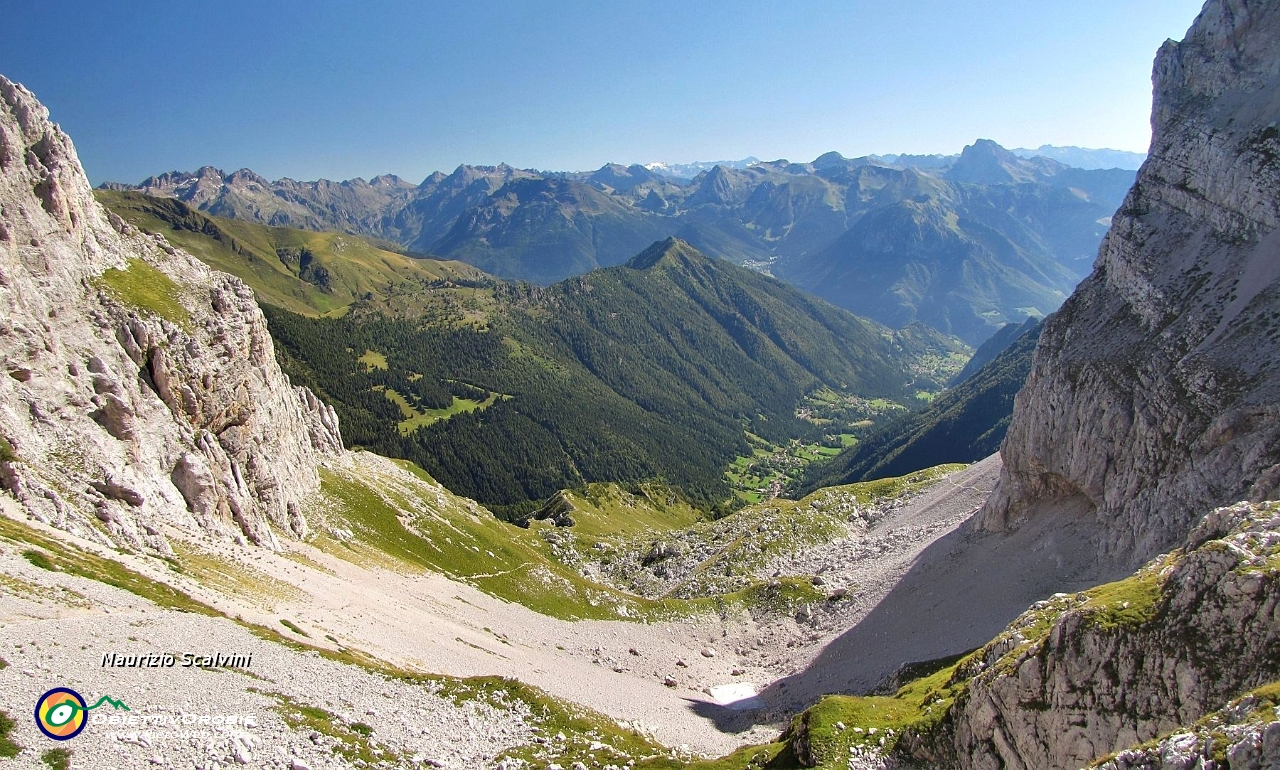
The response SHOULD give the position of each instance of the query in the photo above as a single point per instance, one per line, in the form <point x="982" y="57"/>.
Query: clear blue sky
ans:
<point x="344" y="89"/>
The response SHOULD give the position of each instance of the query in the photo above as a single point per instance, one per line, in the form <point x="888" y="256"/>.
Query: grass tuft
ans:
<point x="289" y="624"/>
<point x="38" y="559"/>
<point x="144" y="287"/>
<point x="1126" y="603"/>
<point x="8" y="748"/>
<point x="57" y="759"/>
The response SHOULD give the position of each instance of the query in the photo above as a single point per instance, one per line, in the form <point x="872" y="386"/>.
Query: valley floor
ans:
<point x="916" y="587"/>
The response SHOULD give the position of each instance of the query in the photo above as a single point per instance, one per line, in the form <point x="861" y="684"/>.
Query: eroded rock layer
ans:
<point x="1079" y="677"/>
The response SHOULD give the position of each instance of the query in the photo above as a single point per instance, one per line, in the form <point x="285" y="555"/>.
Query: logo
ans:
<point x="60" y="713"/>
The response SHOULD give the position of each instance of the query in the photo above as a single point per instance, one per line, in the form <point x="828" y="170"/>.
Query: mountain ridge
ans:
<point x="781" y="217"/>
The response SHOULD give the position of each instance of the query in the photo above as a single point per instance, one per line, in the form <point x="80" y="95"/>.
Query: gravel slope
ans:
<point x="915" y="587"/>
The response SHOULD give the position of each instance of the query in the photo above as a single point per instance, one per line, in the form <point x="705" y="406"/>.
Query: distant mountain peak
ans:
<point x="985" y="151"/>
<point x="669" y="250"/>
<point x="691" y="170"/>
<point x="828" y="158"/>
<point x="986" y="162"/>
<point x="620" y="177"/>
<point x="245" y="176"/>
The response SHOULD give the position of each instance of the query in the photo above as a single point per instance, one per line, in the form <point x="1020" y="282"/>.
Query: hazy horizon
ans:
<point x="311" y="90"/>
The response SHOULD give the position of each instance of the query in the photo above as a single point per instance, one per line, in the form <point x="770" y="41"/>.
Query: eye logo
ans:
<point x="60" y="713"/>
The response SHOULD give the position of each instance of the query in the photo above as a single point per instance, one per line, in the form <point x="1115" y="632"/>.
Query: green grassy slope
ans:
<point x="608" y="510"/>
<point x="378" y="514"/>
<point x="306" y="272"/>
<point x="654" y="370"/>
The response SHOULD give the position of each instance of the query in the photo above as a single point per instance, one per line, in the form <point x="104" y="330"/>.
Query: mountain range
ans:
<point x="690" y="170"/>
<point x="1084" y="157"/>
<point x="507" y="393"/>
<point x="1104" y="593"/>
<point x="1078" y="157"/>
<point x="964" y="245"/>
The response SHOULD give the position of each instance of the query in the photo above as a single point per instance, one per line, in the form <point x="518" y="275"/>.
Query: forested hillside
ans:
<point x="653" y="370"/>
<point x="674" y="367"/>
<point x="964" y="424"/>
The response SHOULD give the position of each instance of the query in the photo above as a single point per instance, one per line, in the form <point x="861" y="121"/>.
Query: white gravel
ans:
<point x="50" y="645"/>
<point x="432" y="624"/>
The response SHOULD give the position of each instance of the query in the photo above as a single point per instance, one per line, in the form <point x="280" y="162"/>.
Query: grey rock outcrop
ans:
<point x="1155" y="392"/>
<point x="142" y="388"/>
<point x="1243" y="735"/>
<point x="558" y="510"/>
<point x="1081" y="676"/>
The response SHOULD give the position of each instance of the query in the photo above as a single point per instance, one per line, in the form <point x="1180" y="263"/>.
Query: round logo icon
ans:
<point x="60" y="713"/>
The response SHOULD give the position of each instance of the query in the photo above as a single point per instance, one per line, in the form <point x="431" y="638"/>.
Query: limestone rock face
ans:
<point x="1155" y="392"/>
<point x="142" y="389"/>
<point x="1078" y="677"/>
<point x="1245" y="734"/>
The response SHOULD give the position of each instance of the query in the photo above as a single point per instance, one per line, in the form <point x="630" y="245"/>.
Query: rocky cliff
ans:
<point x="142" y="388"/>
<point x="1155" y="392"/>
<point x="1080" y="676"/>
<point x="1243" y="734"/>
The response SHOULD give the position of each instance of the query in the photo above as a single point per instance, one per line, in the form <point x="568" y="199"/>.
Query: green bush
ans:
<point x="7" y="747"/>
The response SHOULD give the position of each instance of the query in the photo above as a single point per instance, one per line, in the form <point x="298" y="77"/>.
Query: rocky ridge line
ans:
<point x="1080" y="676"/>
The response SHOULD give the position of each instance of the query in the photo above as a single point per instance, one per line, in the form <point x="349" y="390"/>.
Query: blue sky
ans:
<point x="317" y="88"/>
